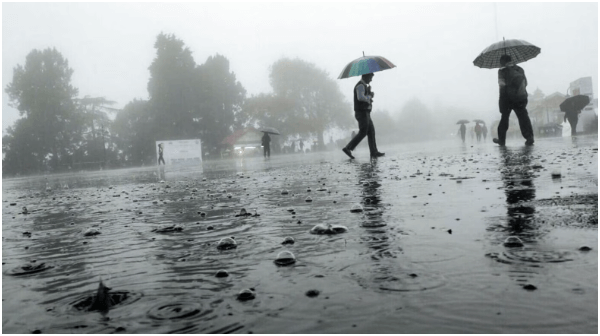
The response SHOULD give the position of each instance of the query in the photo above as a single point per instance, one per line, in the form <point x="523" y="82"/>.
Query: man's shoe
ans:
<point x="529" y="142"/>
<point x="348" y="152"/>
<point x="378" y="154"/>
<point x="496" y="141"/>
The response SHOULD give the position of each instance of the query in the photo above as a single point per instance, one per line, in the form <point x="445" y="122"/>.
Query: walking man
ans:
<point x="572" y="117"/>
<point x="478" y="132"/>
<point x="266" y="142"/>
<point x="363" y="100"/>
<point x="463" y="130"/>
<point x="513" y="96"/>
<point x="160" y="154"/>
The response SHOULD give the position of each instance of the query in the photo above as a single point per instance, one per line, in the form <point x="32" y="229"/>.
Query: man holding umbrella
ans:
<point x="365" y="67"/>
<point x="513" y="96"/>
<point x="266" y="142"/>
<point x="512" y="81"/>
<point x="363" y="100"/>
<point x="572" y="107"/>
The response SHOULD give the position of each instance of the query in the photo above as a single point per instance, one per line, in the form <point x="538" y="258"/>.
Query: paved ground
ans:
<point x="451" y="238"/>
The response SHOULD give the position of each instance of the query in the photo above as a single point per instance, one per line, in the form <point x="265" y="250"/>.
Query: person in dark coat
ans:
<point x="266" y="142"/>
<point x="363" y="100"/>
<point x="572" y="117"/>
<point x="463" y="131"/>
<point x="478" y="132"/>
<point x="160" y="154"/>
<point x="513" y="96"/>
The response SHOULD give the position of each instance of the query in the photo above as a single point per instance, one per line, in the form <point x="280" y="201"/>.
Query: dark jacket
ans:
<point x="266" y="140"/>
<point x="513" y="83"/>
<point x="360" y="105"/>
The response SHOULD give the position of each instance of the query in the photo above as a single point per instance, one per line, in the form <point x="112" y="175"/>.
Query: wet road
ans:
<point x="424" y="252"/>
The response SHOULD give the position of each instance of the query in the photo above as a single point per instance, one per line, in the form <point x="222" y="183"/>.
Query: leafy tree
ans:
<point x="18" y="145"/>
<point x="220" y="99"/>
<point x="133" y="134"/>
<point x="317" y="103"/>
<point x="42" y="92"/>
<point x="171" y="89"/>
<point x="96" y="126"/>
<point x="268" y="110"/>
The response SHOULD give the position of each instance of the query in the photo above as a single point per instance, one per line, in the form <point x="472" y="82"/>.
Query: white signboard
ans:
<point x="178" y="152"/>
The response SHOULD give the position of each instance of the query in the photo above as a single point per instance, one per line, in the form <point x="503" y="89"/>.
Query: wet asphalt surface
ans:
<point x="432" y="238"/>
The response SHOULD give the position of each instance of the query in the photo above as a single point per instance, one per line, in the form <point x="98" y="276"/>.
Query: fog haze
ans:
<point x="110" y="46"/>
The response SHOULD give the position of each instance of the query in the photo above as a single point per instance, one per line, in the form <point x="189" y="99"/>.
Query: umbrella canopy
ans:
<point x="270" y="130"/>
<point x="364" y="65"/>
<point x="519" y="51"/>
<point x="462" y="121"/>
<point x="479" y="121"/>
<point x="575" y="103"/>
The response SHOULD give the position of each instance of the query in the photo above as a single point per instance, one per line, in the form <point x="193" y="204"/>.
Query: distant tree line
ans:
<point x="58" y="131"/>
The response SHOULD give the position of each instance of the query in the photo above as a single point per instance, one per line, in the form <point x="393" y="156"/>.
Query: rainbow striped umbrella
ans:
<point x="364" y="65"/>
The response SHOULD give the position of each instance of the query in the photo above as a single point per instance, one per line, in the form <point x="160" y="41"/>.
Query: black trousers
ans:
<point x="365" y="128"/>
<point x="506" y="107"/>
<point x="267" y="150"/>
<point x="573" y="118"/>
<point x="160" y="158"/>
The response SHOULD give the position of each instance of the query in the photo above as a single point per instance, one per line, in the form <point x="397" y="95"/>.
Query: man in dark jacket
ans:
<point x="463" y="131"/>
<point x="363" y="99"/>
<point x="513" y="96"/>
<point x="160" y="154"/>
<point x="572" y="117"/>
<point x="266" y="142"/>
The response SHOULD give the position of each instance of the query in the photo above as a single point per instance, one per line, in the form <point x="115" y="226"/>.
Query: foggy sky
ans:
<point x="110" y="46"/>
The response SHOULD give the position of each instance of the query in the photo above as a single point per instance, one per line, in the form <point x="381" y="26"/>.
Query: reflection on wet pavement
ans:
<point x="431" y="238"/>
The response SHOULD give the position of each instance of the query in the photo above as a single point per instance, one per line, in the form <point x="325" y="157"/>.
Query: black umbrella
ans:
<point x="270" y="130"/>
<point x="479" y="121"/>
<point x="575" y="103"/>
<point x="519" y="51"/>
<point x="462" y="121"/>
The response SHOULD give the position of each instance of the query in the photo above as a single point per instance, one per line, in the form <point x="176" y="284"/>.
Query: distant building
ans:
<point x="545" y="114"/>
<point x="588" y="119"/>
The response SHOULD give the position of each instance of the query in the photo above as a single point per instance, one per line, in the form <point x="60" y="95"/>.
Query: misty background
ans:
<point x="110" y="48"/>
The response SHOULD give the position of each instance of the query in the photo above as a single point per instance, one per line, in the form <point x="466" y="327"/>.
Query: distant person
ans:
<point x="293" y="147"/>
<point x="266" y="142"/>
<point x="363" y="104"/>
<point x="513" y="96"/>
<point x="160" y="154"/>
<point x="463" y="131"/>
<point x="484" y="131"/>
<point x="572" y="117"/>
<point x="478" y="131"/>
<point x="301" y="144"/>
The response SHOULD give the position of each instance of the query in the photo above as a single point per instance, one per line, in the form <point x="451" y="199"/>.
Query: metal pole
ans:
<point x="496" y="19"/>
